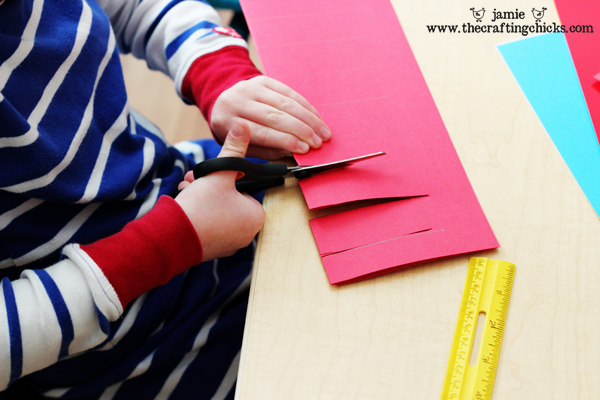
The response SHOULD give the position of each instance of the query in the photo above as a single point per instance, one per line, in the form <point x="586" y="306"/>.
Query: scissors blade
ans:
<point x="304" y="172"/>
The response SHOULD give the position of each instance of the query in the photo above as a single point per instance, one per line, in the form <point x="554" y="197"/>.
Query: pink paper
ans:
<point x="361" y="227"/>
<point x="353" y="183"/>
<point x="351" y="60"/>
<point x="585" y="49"/>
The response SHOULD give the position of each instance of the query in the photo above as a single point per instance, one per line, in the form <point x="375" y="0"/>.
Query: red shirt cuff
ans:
<point x="213" y="73"/>
<point x="148" y="252"/>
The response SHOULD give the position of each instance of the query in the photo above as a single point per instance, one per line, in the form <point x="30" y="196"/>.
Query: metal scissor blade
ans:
<point x="304" y="172"/>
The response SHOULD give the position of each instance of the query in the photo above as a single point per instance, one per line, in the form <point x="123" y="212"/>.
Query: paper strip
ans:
<point x="351" y="60"/>
<point x="353" y="229"/>
<point x="543" y="67"/>
<point x="581" y="15"/>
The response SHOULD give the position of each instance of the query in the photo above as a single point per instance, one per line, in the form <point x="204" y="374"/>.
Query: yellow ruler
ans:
<point x="486" y="296"/>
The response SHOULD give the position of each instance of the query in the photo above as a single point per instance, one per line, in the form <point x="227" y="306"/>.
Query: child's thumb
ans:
<point x="237" y="140"/>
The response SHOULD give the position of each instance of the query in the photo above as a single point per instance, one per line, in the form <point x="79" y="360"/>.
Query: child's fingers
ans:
<point x="237" y="140"/>
<point x="289" y="105"/>
<point x="187" y="179"/>
<point x="235" y="145"/>
<point x="278" y="117"/>
<point x="278" y="120"/>
<point x="265" y="136"/>
<point x="183" y="184"/>
<point x="287" y="91"/>
<point x="279" y="97"/>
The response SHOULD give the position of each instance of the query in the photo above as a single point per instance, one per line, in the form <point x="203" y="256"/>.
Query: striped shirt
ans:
<point x="76" y="165"/>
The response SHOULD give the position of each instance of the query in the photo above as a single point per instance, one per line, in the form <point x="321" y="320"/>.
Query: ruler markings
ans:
<point x="487" y="290"/>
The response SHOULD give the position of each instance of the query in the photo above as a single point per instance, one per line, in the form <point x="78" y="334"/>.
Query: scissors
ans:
<point x="259" y="177"/>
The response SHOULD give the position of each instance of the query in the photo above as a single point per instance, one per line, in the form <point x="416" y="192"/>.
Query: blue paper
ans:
<point x="543" y="67"/>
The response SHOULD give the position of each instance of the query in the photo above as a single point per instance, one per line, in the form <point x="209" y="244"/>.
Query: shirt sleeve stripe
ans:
<point x="26" y="45"/>
<point x="103" y="322"/>
<point x="61" y="310"/>
<point x="179" y="40"/>
<point x="37" y="114"/>
<point x="14" y="328"/>
<point x="157" y="20"/>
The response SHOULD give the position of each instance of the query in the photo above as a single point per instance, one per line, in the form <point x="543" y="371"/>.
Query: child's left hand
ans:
<point x="281" y="121"/>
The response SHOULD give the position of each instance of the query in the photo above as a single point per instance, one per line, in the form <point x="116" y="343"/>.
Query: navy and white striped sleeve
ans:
<point x="51" y="313"/>
<point x="168" y="34"/>
<point x="66" y="308"/>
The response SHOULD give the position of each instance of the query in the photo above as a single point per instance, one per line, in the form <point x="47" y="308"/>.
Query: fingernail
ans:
<point x="317" y="142"/>
<point x="303" y="147"/>
<point x="236" y="133"/>
<point x="325" y="133"/>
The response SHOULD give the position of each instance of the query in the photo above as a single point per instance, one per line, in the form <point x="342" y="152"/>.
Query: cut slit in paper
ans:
<point x="369" y="90"/>
<point x="401" y="181"/>
<point x="361" y="227"/>
<point x="375" y="243"/>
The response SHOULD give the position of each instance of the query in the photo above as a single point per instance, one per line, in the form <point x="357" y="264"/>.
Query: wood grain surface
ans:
<point x="389" y="337"/>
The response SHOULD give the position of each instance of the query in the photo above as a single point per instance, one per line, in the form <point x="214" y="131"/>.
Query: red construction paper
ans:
<point x="351" y="60"/>
<point x="361" y="227"/>
<point x="355" y="182"/>
<point x="585" y="49"/>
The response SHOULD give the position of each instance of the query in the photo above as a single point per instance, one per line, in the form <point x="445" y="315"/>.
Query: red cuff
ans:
<point x="148" y="252"/>
<point x="213" y="73"/>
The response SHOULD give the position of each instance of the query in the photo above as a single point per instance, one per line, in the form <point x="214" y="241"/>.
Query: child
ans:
<point x="78" y="165"/>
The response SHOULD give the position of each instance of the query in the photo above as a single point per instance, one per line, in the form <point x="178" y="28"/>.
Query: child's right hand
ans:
<point x="225" y="219"/>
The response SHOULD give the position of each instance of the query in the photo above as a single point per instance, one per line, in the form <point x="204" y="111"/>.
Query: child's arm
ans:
<point x="66" y="308"/>
<point x="282" y="122"/>
<point x="211" y="67"/>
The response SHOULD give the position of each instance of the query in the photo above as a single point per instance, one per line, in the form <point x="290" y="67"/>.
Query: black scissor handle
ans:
<point x="252" y="187"/>
<point x="251" y="171"/>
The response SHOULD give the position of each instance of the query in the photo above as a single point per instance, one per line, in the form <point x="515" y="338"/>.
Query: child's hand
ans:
<point x="225" y="219"/>
<point x="281" y="121"/>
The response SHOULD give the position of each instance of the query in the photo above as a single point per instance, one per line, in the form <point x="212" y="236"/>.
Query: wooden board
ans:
<point x="390" y="337"/>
